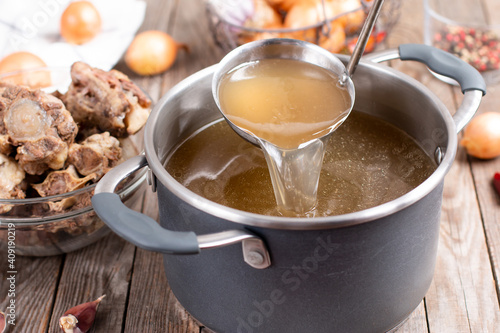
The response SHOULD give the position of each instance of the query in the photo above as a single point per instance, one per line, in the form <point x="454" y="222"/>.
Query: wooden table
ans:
<point x="464" y="295"/>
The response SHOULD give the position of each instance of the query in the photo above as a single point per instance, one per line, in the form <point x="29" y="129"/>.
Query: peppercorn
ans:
<point x="480" y="48"/>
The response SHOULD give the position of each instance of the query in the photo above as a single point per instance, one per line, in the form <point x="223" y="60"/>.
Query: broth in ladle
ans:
<point x="283" y="101"/>
<point x="290" y="106"/>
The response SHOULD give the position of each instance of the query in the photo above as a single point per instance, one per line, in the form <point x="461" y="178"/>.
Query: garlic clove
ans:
<point x="79" y="319"/>
<point x="68" y="323"/>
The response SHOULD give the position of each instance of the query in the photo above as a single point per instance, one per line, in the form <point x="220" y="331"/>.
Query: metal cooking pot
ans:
<point x="359" y="272"/>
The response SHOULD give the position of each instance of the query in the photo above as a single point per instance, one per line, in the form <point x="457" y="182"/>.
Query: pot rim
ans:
<point x="299" y="223"/>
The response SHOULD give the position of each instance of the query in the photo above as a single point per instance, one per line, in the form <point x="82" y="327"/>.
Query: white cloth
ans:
<point x="33" y="26"/>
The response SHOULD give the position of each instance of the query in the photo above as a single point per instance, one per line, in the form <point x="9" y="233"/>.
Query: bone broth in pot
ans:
<point x="356" y="262"/>
<point x="367" y="162"/>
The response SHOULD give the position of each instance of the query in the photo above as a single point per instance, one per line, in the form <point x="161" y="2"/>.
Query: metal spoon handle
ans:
<point x="363" y="37"/>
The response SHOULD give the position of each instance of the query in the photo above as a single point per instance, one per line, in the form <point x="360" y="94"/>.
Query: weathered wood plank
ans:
<point x="35" y="286"/>
<point x="491" y="9"/>
<point x="475" y="272"/>
<point x="483" y="171"/>
<point x="489" y="200"/>
<point x="462" y="296"/>
<point x="191" y="28"/>
<point x="100" y="269"/>
<point x="152" y="306"/>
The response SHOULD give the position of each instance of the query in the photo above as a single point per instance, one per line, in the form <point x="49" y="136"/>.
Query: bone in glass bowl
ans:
<point x="31" y="226"/>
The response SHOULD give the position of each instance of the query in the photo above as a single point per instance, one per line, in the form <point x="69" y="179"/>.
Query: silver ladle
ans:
<point x="295" y="172"/>
<point x="298" y="50"/>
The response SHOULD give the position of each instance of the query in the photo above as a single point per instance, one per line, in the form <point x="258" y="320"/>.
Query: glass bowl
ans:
<point x="52" y="225"/>
<point x="465" y="32"/>
<point x="229" y="34"/>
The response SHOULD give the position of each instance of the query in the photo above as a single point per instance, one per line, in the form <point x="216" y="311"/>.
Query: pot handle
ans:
<point x="444" y="63"/>
<point x="146" y="233"/>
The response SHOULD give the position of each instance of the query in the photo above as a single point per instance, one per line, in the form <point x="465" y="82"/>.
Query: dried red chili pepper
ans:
<point x="79" y="319"/>
<point x="496" y="182"/>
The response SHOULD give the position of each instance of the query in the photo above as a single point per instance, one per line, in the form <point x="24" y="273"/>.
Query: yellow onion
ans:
<point x="263" y="16"/>
<point x="482" y="136"/>
<point x="304" y="14"/>
<point x="251" y="36"/>
<point x="80" y="22"/>
<point x="353" y="16"/>
<point x="335" y="41"/>
<point x="152" y="52"/>
<point x="285" y="5"/>
<point x="22" y="61"/>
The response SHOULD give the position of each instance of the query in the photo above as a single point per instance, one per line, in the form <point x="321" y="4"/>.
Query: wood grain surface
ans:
<point x="463" y="297"/>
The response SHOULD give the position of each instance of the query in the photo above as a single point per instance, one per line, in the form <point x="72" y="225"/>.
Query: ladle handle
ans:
<point x="363" y="37"/>
<point x="444" y="63"/>
<point x="146" y="233"/>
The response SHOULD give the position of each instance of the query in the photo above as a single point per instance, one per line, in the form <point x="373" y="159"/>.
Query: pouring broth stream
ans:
<point x="290" y="106"/>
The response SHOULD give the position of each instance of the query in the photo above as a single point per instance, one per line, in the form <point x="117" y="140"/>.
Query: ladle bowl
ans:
<point x="282" y="48"/>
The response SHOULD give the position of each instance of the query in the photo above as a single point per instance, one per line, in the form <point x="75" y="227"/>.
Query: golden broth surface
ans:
<point x="367" y="162"/>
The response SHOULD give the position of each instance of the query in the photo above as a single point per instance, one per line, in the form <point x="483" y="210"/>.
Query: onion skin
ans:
<point x="482" y="136"/>
<point x="253" y="36"/>
<point x="152" y="52"/>
<point x="306" y="13"/>
<point x="19" y="61"/>
<point x="352" y="21"/>
<point x="336" y="39"/>
<point x="80" y="22"/>
<point x="285" y="5"/>
<point x="264" y="16"/>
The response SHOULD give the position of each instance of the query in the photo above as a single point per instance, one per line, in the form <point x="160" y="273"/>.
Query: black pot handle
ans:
<point x="443" y="63"/>
<point x="146" y="233"/>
